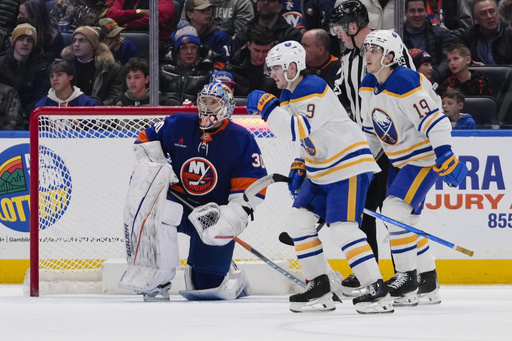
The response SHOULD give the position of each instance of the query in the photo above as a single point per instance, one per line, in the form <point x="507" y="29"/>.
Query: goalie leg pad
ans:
<point x="234" y="285"/>
<point x="151" y="243"/>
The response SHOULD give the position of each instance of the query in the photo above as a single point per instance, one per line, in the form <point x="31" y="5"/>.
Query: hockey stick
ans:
<point x="249" y="247"/>
<point x="418" y="232"/>
<point x="282" y="178"/>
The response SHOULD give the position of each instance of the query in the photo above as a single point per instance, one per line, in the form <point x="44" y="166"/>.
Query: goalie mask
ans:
<point x="215" y="103"/>
<point x="284" y="54"/>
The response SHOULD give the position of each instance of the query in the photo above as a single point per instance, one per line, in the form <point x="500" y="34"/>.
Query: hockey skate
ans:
<point x="351" y="287"/>
<point x="403" y="287"/>
<point x="316" y="298"/>
<point x="428" y="288"/>
<point x="159" y="294"/>
<point x="376" y="301"/>
<point x="335" y="279"/>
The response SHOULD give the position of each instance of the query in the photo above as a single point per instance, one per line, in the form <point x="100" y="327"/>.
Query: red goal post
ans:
<point x="81" y="161"/>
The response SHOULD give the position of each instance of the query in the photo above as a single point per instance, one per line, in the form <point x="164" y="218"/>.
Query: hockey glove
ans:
<point x="449" y="167"/>
<point x="261" y="102"/>
<point x="298" y="175"/>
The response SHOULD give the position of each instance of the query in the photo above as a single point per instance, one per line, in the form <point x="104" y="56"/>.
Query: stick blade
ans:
<point x="464" y="251"/>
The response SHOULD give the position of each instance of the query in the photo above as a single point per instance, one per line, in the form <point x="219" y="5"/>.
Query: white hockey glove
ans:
<point x="218" y="225"/>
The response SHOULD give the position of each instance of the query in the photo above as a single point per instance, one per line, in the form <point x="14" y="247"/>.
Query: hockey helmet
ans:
<point x="389" y="41"/>
<point x="286" y="53"/>
<point x="215" y="103"/>
<point x="347" y="12"/>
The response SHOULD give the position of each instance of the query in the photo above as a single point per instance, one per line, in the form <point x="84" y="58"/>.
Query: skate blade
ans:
<point x="319" y="305"/>
<point x="352" y="292"/>
<point x="382" y="306"/>
<point x="148" y="298"/>
<point x="429" y="298"/>
<point x="408" y="300"/>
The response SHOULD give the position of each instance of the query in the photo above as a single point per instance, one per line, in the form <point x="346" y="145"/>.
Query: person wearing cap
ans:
<point x="97" y="73"/>
<point x="24" y="68"/>
<point x="123" y="49"/>
<point x="134" y="15"/>
<point x="199" y="14"/>
<point x="187" y="68"/>
<point x="225" y="78"/>
<point x="423" y="63"/>
<point x="247" y="64"/>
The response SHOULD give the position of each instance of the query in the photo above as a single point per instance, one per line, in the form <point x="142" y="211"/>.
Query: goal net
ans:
<point x="81" y="163"/>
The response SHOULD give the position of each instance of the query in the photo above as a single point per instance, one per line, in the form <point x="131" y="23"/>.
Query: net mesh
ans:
<point x="85" y="164"/>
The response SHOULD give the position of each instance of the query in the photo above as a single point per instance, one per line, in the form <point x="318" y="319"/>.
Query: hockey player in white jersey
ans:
<point x="402" y="114"/>
<point x="330" y="179"/>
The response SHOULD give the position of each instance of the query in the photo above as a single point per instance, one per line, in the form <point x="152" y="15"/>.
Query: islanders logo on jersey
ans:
<point x="198" y="176"/>
<point x="384" y="127"/>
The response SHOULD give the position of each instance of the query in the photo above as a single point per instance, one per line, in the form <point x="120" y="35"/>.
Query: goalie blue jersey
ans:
<point x="212" y="167"/>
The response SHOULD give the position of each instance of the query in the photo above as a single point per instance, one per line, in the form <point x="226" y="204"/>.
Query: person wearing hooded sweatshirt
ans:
<point x="63" y="93"/>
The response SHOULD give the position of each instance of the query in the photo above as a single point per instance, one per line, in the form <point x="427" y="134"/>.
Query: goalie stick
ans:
<point x="248" y="247"/>
<point x="271" y="178"/>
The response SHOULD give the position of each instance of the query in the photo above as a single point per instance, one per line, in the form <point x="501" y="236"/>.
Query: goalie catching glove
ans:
<point x="449" y="167"/>
<point x="218" y="225"/>
<point x="261" y="102"/>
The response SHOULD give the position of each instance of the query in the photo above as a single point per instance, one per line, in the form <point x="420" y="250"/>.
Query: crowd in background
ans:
<point x="78" y="53"/>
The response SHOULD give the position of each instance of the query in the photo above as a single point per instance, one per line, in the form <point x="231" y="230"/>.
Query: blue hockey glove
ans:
<point x="297" y="174"/>
<point x="449" y="167"/>
<point x="261" y="102"/>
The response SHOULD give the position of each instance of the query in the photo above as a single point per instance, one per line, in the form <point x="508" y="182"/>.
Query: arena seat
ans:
<point x="483" y="109"/>
<point x="140" y="38"/>
<point x="500" y="79"/>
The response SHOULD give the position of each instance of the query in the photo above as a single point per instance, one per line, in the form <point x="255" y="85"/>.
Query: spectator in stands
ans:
<point x="11" y="117"/>
<point x="470" y="82"/>
<point x="24" y="68"/>
<point x="188" y="69"/>
<point x="319" y="61"/>
<point x="505" y="9"/>
<point x="421" y="34"/>
<point x="307" y="14"/>
<point x="79" y="12"/>
<point x="381" y="13"/>
<point x="455" y="15"/>
<point x="247" y="65"/>
<point x="134" y="15"/>
<point x="225" y="78"/>
<point x="48" y="36"/>
<point x="489" y="40"/>
<point x="97" y="73"/>
<point x="268" y="14"/>
<point x="123" y="49"/>
<point x="136" y="72"/>
<point x="199" y="15"/>
<point x="232" y="15"/>
<point x="8" y="14"/>
<point x="423" y="63"/>
<point x="453" y="102"/>
<point x="63" y="93"/>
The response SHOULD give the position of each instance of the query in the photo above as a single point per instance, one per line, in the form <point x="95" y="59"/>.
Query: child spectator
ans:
<point x="123" y="49"/>
<point x="136" y="72"/>
<point x="63" y="93"/>
<point x="453" y="102"/>
<point x="471" y="83"/>
<point x="423" y="63"/>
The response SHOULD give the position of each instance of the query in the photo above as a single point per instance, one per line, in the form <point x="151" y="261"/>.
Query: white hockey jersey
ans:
<point x="333" y="146"/>
<point x="404" y="115"/>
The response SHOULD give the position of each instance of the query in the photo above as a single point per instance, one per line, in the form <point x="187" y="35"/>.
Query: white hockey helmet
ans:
<point x="389" y="41"/>
<point x="286" y="53"/>
<point x="215" y="103"/>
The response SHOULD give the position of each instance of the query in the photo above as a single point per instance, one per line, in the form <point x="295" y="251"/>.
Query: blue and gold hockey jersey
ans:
<point x="333" y="146"/>
<point x="212" y="167"/>
<point x="404" y="115"/>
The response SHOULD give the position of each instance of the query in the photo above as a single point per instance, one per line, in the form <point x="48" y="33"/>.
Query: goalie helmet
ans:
<point x="215" y="103"/>
<point x="350" y="11"/>
<point x="286" y="53"/>
<point x="389" y="41"/>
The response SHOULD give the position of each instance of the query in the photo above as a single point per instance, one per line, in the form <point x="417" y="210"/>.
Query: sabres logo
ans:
<point x="384" y="127"/>
<point x="308" y="146"/>
<point x="198" y="176"/>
